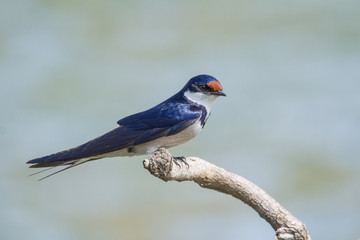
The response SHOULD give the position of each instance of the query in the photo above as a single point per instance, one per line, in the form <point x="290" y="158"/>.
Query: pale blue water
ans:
<point x="290" y="123"/>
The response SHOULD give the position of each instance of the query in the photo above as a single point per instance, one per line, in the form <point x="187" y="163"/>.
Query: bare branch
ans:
<point x="162" y="165"/>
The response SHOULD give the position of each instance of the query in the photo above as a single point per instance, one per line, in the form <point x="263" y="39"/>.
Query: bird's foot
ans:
<point x="181" y="159"/>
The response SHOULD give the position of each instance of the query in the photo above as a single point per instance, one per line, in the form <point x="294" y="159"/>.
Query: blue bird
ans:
<point x="170" y="123"/>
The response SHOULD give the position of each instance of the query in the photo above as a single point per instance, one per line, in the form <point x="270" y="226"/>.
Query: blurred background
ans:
<point x="290" y="122"/>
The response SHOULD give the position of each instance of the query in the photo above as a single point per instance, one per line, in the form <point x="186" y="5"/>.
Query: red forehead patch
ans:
<point x="215" y="85"/>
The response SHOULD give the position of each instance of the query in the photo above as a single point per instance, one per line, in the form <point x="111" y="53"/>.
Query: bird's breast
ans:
<point x="169" y="141"/>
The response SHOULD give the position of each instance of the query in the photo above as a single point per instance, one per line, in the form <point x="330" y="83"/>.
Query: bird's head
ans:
<point x="203" y="89"/>
<point x="204" y="84"/>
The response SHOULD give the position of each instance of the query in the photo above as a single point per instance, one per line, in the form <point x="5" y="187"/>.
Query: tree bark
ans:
<point x="162" y="165"/>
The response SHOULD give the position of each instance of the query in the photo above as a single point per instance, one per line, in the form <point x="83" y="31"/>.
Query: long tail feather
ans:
<point x="41" y="171"/>
<point x="73" y="164"/>
<point x="52" y="174"/>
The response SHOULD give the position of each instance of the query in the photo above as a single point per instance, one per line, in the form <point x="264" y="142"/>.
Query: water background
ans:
<point x="290" y="123"/>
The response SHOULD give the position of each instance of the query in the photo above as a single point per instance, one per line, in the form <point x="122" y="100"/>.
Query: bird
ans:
<point x="171" y="123"/>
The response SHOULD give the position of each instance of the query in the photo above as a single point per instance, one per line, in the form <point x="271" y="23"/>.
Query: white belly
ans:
<point x="166" y="142"/>
<point x="170" y="141"/>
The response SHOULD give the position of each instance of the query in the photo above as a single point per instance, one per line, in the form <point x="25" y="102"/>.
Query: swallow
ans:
<point x="170" y="123"/>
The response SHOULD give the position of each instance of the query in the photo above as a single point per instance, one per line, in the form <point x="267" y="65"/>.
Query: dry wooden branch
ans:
<point x="162" y="165"/>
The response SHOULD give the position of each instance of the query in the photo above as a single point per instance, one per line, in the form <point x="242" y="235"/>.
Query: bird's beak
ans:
<point x="219" y="93"/>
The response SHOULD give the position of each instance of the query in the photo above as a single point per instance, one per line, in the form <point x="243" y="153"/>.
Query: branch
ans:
<point x="162" y="165"/>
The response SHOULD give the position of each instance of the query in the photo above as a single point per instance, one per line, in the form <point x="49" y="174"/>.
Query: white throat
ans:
<point x="201" y="98"/>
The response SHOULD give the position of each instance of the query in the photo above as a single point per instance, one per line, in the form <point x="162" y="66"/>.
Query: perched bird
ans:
<point x="168" y="124"/>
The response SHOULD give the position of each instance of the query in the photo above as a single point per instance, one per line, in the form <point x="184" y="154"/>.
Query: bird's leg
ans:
<point x="181" y="159"/>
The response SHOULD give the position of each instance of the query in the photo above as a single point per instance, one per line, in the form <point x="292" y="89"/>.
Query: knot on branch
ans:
<point x="286" y="233"/>
<point x="164" y="166"/>
<point x="159" y="163"/>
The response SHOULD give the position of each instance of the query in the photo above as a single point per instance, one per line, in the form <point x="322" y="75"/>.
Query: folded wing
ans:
<point x="162" y="120"/>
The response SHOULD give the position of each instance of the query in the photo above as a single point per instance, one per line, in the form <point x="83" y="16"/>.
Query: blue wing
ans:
<point x="164" y="119"/>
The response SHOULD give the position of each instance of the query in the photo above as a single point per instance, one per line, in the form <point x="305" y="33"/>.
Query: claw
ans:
<point x="181" y="159"/>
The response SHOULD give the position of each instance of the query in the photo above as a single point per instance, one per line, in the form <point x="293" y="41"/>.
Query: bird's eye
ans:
<point x="203" y="86"/>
